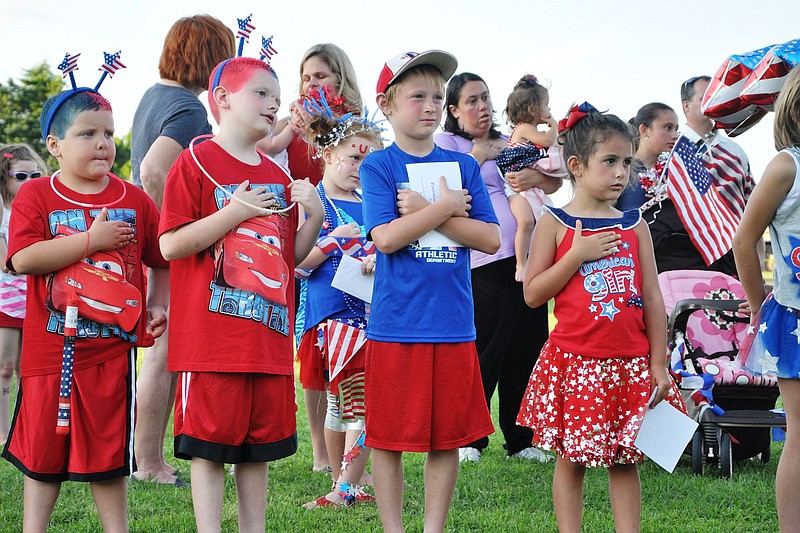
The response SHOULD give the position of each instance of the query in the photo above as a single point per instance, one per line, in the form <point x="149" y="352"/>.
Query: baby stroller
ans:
<point x="732" y="407"/>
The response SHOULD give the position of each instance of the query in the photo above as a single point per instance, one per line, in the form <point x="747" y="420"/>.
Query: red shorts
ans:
<point x="99" y="445"/>
<point x="424" y="397"/>
<point x="7" y="321"/>
<point x="235" y="417"/>
<point x="313" y="375"/>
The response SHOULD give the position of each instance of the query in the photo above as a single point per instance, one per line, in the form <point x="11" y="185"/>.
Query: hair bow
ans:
<point x="8" y="155"/>
<point x="575" y="115"/>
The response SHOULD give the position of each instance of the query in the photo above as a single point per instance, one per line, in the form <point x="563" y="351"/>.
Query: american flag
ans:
<point x="351" y="398"/>
<point x="352" y="246"/>
<point x="67" y="361"/>
<point x="69" y="64"/>
<point x="111" y="63"/>
<point x="245" y="28"/>
<point x="267" y="50"/>
<point x="731" y="175"/>
<point x="706" y="217"/>
<point x="342" y="342"/>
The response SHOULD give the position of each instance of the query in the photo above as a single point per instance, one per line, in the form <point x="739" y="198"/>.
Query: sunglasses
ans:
<point x="22" y="176"/>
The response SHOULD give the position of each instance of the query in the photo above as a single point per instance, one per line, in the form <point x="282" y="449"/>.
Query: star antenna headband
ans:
<point x="111" y="63"/>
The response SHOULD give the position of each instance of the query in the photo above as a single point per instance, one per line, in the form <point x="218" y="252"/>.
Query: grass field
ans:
<point x="495" y="495"/>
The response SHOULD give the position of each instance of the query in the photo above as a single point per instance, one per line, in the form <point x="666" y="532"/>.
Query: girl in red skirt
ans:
<point x="590" y="387"/>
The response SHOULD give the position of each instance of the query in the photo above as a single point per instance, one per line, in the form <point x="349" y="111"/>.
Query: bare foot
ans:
<point x="332" y="499"/>
<point x="162" y="477"/>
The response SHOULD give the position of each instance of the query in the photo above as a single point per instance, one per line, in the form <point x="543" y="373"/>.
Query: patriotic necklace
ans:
<point x="342" y="218"/>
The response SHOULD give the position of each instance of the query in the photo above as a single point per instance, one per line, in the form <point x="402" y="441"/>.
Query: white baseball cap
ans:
<point x="444" y="61"/>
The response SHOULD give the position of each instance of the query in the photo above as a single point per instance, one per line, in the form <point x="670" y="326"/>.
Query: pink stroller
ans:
<point x="732" y="407"/>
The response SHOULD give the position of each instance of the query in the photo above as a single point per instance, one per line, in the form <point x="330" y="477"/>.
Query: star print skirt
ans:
<point x="587" y="410"/>
<point x="773" y="345"/>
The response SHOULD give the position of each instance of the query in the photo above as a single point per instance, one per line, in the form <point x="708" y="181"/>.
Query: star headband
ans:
<point x="111" y="64"/>
<point x="346" y="125"/>
<point x="574" y="116"/>
<point x="245" y="28"/>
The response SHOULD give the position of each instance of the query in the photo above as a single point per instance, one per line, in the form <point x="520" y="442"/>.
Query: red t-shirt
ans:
<point x="116" y="306"/>
<point x="232" y="305"/>
<point x="599" y="311"/>
<point x="302" y="164"/>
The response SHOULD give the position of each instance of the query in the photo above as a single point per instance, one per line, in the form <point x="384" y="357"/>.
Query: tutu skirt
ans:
<point x="586" y="409"/>
<point x="772" y="346"/>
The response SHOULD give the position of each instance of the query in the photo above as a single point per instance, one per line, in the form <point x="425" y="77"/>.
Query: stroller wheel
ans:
<point x="725" y="456"/>
<point x="698" y="457"/>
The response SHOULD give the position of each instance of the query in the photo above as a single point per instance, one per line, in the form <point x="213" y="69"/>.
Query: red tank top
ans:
<point x="302" y="164"/>
<point x="599" y="311"/>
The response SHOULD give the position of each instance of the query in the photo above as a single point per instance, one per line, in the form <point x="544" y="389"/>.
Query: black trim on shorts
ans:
<point x="187" y="447"/>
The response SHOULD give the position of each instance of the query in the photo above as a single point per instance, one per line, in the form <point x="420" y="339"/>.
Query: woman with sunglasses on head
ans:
<point x="18" y="163"/>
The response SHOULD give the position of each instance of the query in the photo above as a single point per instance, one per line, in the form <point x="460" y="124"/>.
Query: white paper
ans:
<point x="664" y="434"/>
<point x="348" y="278"/>
<point x="424" y="179"/>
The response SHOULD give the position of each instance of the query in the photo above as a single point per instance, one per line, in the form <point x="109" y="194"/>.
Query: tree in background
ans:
<point x="21" y="104"/>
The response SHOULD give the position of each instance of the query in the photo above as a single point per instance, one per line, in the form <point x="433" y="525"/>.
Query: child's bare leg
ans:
<point x="39" y="498"/>
<point x="334" y="443"/>
<point x="625" y="491"/>
<point x="9" y="363"/>
<point x="351" y="475"/>
<point x="111" y="499"/>
<point x="787" y="481"/>
<point x="208" y="489"/>
<point x="155" y="393"/>
<point x="521" y="210"/>
<point x="387" y="467"/>
<point x="251" y="492"/>
<point x="568" y="495"/>
<point x="441" y="472"/>
<point x="316" y="405"/>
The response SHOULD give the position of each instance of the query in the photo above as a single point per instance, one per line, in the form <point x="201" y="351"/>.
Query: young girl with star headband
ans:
<point x="606" y="356"/>
<point x="773" y="343"/>
<point x="82" y="236"/>
<point x="342" y="140"/>
<point x="18" y="164"/>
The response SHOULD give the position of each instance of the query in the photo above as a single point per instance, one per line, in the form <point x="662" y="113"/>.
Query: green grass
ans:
<point x="495" y="495"/>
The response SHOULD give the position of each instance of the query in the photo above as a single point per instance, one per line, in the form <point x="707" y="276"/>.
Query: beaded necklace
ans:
<point x="355" y="305"/>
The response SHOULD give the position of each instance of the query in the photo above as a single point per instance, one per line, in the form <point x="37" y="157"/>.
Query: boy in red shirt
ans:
<point x="231" y="235"/>
<point x="82" y="235"/>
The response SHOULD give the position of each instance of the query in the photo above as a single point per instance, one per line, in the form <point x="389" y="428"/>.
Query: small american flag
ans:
<point x="245" y="28"/>
<point x="111" y="63"/>
<point x="69" y="64"/>
<point x="342" y="342"/>
<point x="352" y="246"/>
<point x="267" y="50"/>
<point x="732" y="177"/>
<point x="706" y="217"/>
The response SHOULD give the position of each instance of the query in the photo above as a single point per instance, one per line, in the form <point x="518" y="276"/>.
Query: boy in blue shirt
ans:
<point x="423" y="380"/>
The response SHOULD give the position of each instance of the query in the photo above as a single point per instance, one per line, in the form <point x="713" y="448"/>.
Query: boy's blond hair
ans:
<point x="428" y="72"/>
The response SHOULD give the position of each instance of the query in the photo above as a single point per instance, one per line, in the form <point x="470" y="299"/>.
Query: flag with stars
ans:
<point x="707" y="218"/>
<point x="352" y="246"/>
<point x="111" y="63"/>
<point x="342" y="342"/>
<point x="267" y="50"/>
<point x="772" y="344"/>
<point x="245" y="28"/>
<point x="65" y="392"/>
<point x="69" y="64"/>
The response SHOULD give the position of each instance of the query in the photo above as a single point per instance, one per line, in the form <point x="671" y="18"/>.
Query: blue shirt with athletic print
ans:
<point x="421" y="295"/>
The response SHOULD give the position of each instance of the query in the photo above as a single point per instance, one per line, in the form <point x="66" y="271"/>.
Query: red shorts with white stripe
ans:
<point x="235" y="417"/>
<point x="99" y="445"/>
<point x="313" y="371"/>
<point x="424" y="397"/>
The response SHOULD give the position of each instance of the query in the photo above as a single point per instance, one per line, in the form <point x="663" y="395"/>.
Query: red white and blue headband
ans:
<point x="245" y="28"/>
<point x="111" y="64"/>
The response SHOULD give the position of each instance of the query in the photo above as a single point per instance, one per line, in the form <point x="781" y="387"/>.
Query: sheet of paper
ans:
<point x="664" y="434"/>
<point x="348" y="278"/>
<point x="424" y="179"/>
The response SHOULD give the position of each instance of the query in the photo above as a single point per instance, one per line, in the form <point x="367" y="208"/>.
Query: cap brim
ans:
<point x="444" y="61"/>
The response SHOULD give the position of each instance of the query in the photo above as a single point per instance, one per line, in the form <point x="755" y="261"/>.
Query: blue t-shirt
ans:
<point x="420" y="295"/>
<point x="322" y="300"/>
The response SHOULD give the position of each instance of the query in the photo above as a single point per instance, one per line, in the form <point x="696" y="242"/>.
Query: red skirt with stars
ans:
<point x="586" y="409"/>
